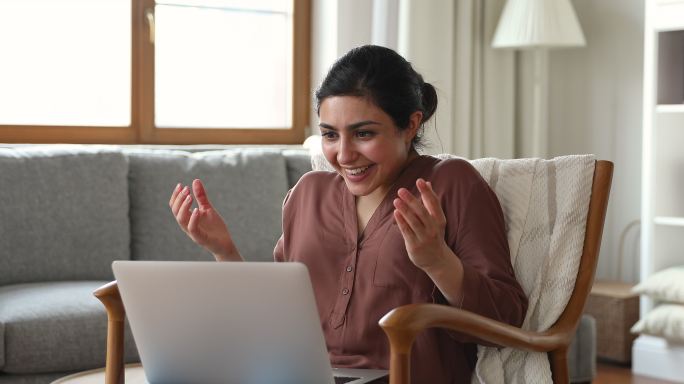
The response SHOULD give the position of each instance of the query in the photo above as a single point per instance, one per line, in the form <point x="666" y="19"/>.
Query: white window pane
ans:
<point x="65" y="62"/>
<point x="281" y="6"/>
<point x="222" y="64"/>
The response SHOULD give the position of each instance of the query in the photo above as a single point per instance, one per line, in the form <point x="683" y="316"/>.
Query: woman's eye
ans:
<point x="364" y="134"/>
<point x="328" y="135"/>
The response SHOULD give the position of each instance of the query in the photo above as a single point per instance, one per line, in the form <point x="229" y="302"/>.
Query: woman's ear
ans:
<point x="414" y="124"/>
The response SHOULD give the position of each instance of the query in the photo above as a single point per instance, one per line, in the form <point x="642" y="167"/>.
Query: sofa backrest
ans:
<point x="246" y="185"/>
<point x="298" y="162"/>
<point x="63" y="213"/>
<point x="68" y="211"/>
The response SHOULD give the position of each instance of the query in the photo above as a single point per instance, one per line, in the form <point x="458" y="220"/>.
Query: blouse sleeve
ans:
<point x="279" y="250"/>
<point x="477" y="235"/>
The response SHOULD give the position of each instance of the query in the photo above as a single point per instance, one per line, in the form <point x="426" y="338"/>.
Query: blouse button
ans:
<point x="345" y="291"/>
<point x="349" y="269"/>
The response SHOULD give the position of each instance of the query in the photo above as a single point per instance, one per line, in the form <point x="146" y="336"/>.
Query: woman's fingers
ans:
<point x="414" y="204"/>
<point x="180" y="198"/>
<point x="430" y="200"/>
<point x="404" y="227"/>
<point x="409" y="215"/>
<point x="175" y="193"/>
<point x="423" y="215"/>
<point x="183" y="215"/>
<point x="193" y="223"/>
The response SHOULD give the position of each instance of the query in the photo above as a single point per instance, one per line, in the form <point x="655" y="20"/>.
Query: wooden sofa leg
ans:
<point x="109" y="295"/>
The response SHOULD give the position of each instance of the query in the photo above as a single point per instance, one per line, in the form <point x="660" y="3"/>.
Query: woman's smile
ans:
<point x="358" y="174"/>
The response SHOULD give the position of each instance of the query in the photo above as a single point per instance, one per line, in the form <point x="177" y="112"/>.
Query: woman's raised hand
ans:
<point x="204" y="224"/>
<point x="422" y="224"/>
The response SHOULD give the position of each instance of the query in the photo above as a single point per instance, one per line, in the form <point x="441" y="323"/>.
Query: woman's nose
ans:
<point x="346" y="153"/>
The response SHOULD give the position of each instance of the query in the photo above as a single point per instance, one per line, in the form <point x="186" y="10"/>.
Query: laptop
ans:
<point x="239" y="322"/>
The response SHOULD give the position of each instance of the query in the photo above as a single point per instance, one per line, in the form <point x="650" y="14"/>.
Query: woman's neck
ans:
<point x="366" y="205"/>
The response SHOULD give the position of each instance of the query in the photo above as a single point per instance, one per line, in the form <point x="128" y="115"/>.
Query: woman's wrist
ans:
<point x="228" y="256"/>
<point x="228" y="253"/>
<point x="443" y="262"/>
<point x="447" y="274"/>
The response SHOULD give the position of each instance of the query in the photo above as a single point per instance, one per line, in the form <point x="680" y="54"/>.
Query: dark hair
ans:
<point x="386" y="79"/>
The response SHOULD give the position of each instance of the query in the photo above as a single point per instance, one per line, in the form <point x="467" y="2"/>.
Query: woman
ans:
<point x="389" y="227"/>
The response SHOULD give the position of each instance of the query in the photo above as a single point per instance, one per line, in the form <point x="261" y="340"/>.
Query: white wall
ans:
<point x="595" y="98"/>
<point x="419" y="42"/>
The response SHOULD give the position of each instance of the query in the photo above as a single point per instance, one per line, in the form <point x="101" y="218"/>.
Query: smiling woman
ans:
<point x="146" y="71"/>
<point x="388" y="227"/>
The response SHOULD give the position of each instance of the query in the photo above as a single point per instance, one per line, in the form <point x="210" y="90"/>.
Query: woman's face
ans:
<point x="363" y="144"/>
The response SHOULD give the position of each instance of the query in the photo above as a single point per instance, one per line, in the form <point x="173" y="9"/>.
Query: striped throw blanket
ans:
<point x="545" y="205"/>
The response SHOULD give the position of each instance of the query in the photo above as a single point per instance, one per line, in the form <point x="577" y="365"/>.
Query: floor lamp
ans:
<point x="538" y="25"/>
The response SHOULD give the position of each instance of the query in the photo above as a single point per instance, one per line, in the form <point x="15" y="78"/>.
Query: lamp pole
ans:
<point x="540" y="122"/>
<point x="538" y="25"/>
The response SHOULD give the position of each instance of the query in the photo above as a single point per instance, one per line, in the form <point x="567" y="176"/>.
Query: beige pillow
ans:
<point x="666" y="285"/>
<point x="666" y="320"/>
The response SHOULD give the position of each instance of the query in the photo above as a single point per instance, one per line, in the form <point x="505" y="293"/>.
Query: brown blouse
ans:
<point x="358" y="278"/>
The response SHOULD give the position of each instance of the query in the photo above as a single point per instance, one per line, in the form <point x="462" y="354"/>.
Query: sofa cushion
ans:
<point x="582" y="351"/>
<point x="298" y="162"/>
<point x="55" y="327"/>
<point x="247" y="186"/>
<point x="64" y="213"/>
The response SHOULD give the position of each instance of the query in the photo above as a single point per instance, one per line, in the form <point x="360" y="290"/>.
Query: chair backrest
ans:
<point x="545" y="205"/>
<point x="567" y="263"/>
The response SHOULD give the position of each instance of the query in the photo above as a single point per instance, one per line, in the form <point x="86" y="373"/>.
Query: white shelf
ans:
<point x="658" y="358"/>
<point x="668" y="220"/>
<point x="670" y="108"/>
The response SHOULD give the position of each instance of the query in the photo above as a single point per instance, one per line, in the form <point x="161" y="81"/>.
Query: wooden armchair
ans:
<point x="403" y="324"/>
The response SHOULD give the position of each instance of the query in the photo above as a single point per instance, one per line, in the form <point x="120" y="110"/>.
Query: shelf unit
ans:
<point x="662" y="209"/>
<point x="664" y="220"/>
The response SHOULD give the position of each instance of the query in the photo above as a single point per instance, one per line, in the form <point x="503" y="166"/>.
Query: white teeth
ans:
<point x="356" y="171"/>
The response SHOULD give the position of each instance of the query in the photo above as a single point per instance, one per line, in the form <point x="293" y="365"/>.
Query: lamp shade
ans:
<point x="538" y="23"/>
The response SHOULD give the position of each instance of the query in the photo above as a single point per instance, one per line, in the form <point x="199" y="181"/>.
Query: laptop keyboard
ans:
<point x="342" y="380"/>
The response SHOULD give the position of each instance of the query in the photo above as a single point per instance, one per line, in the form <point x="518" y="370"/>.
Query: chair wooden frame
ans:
<point x="404" y="323"/>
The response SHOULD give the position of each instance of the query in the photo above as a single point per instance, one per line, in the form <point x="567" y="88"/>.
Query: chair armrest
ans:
<point x="414" y="318"/>
<point x="109" y="295"/>
<point x="404" y="323"/>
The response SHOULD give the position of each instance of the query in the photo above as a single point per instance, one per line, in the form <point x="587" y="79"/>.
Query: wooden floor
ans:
<point x="615" y="374"/>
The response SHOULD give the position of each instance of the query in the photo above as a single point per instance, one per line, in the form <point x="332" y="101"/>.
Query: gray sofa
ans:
<point x="67" y="212"/>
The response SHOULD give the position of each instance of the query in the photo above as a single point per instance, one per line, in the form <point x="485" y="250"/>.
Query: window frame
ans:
<point x="142" y="129"/>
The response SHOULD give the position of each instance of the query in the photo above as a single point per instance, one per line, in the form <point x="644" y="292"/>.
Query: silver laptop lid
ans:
<point x="209" y="322"/>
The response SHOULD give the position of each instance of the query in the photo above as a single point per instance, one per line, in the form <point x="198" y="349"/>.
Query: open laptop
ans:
<point x="242" y="322"/>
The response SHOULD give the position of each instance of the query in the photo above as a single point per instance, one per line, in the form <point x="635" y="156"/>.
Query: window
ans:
<point x="146" y="71"/>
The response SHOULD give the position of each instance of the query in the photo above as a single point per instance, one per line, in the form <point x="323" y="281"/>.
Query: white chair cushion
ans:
<point x="545" y="205"/>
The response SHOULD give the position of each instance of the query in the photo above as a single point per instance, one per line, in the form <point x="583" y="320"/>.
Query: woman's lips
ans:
<point x="358" y="177"/>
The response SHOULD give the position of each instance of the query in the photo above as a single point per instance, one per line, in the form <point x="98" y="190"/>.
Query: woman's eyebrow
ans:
<point x="350" y="127"/>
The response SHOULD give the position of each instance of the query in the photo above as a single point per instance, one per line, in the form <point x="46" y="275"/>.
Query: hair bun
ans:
<point x="429" y="101"/>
